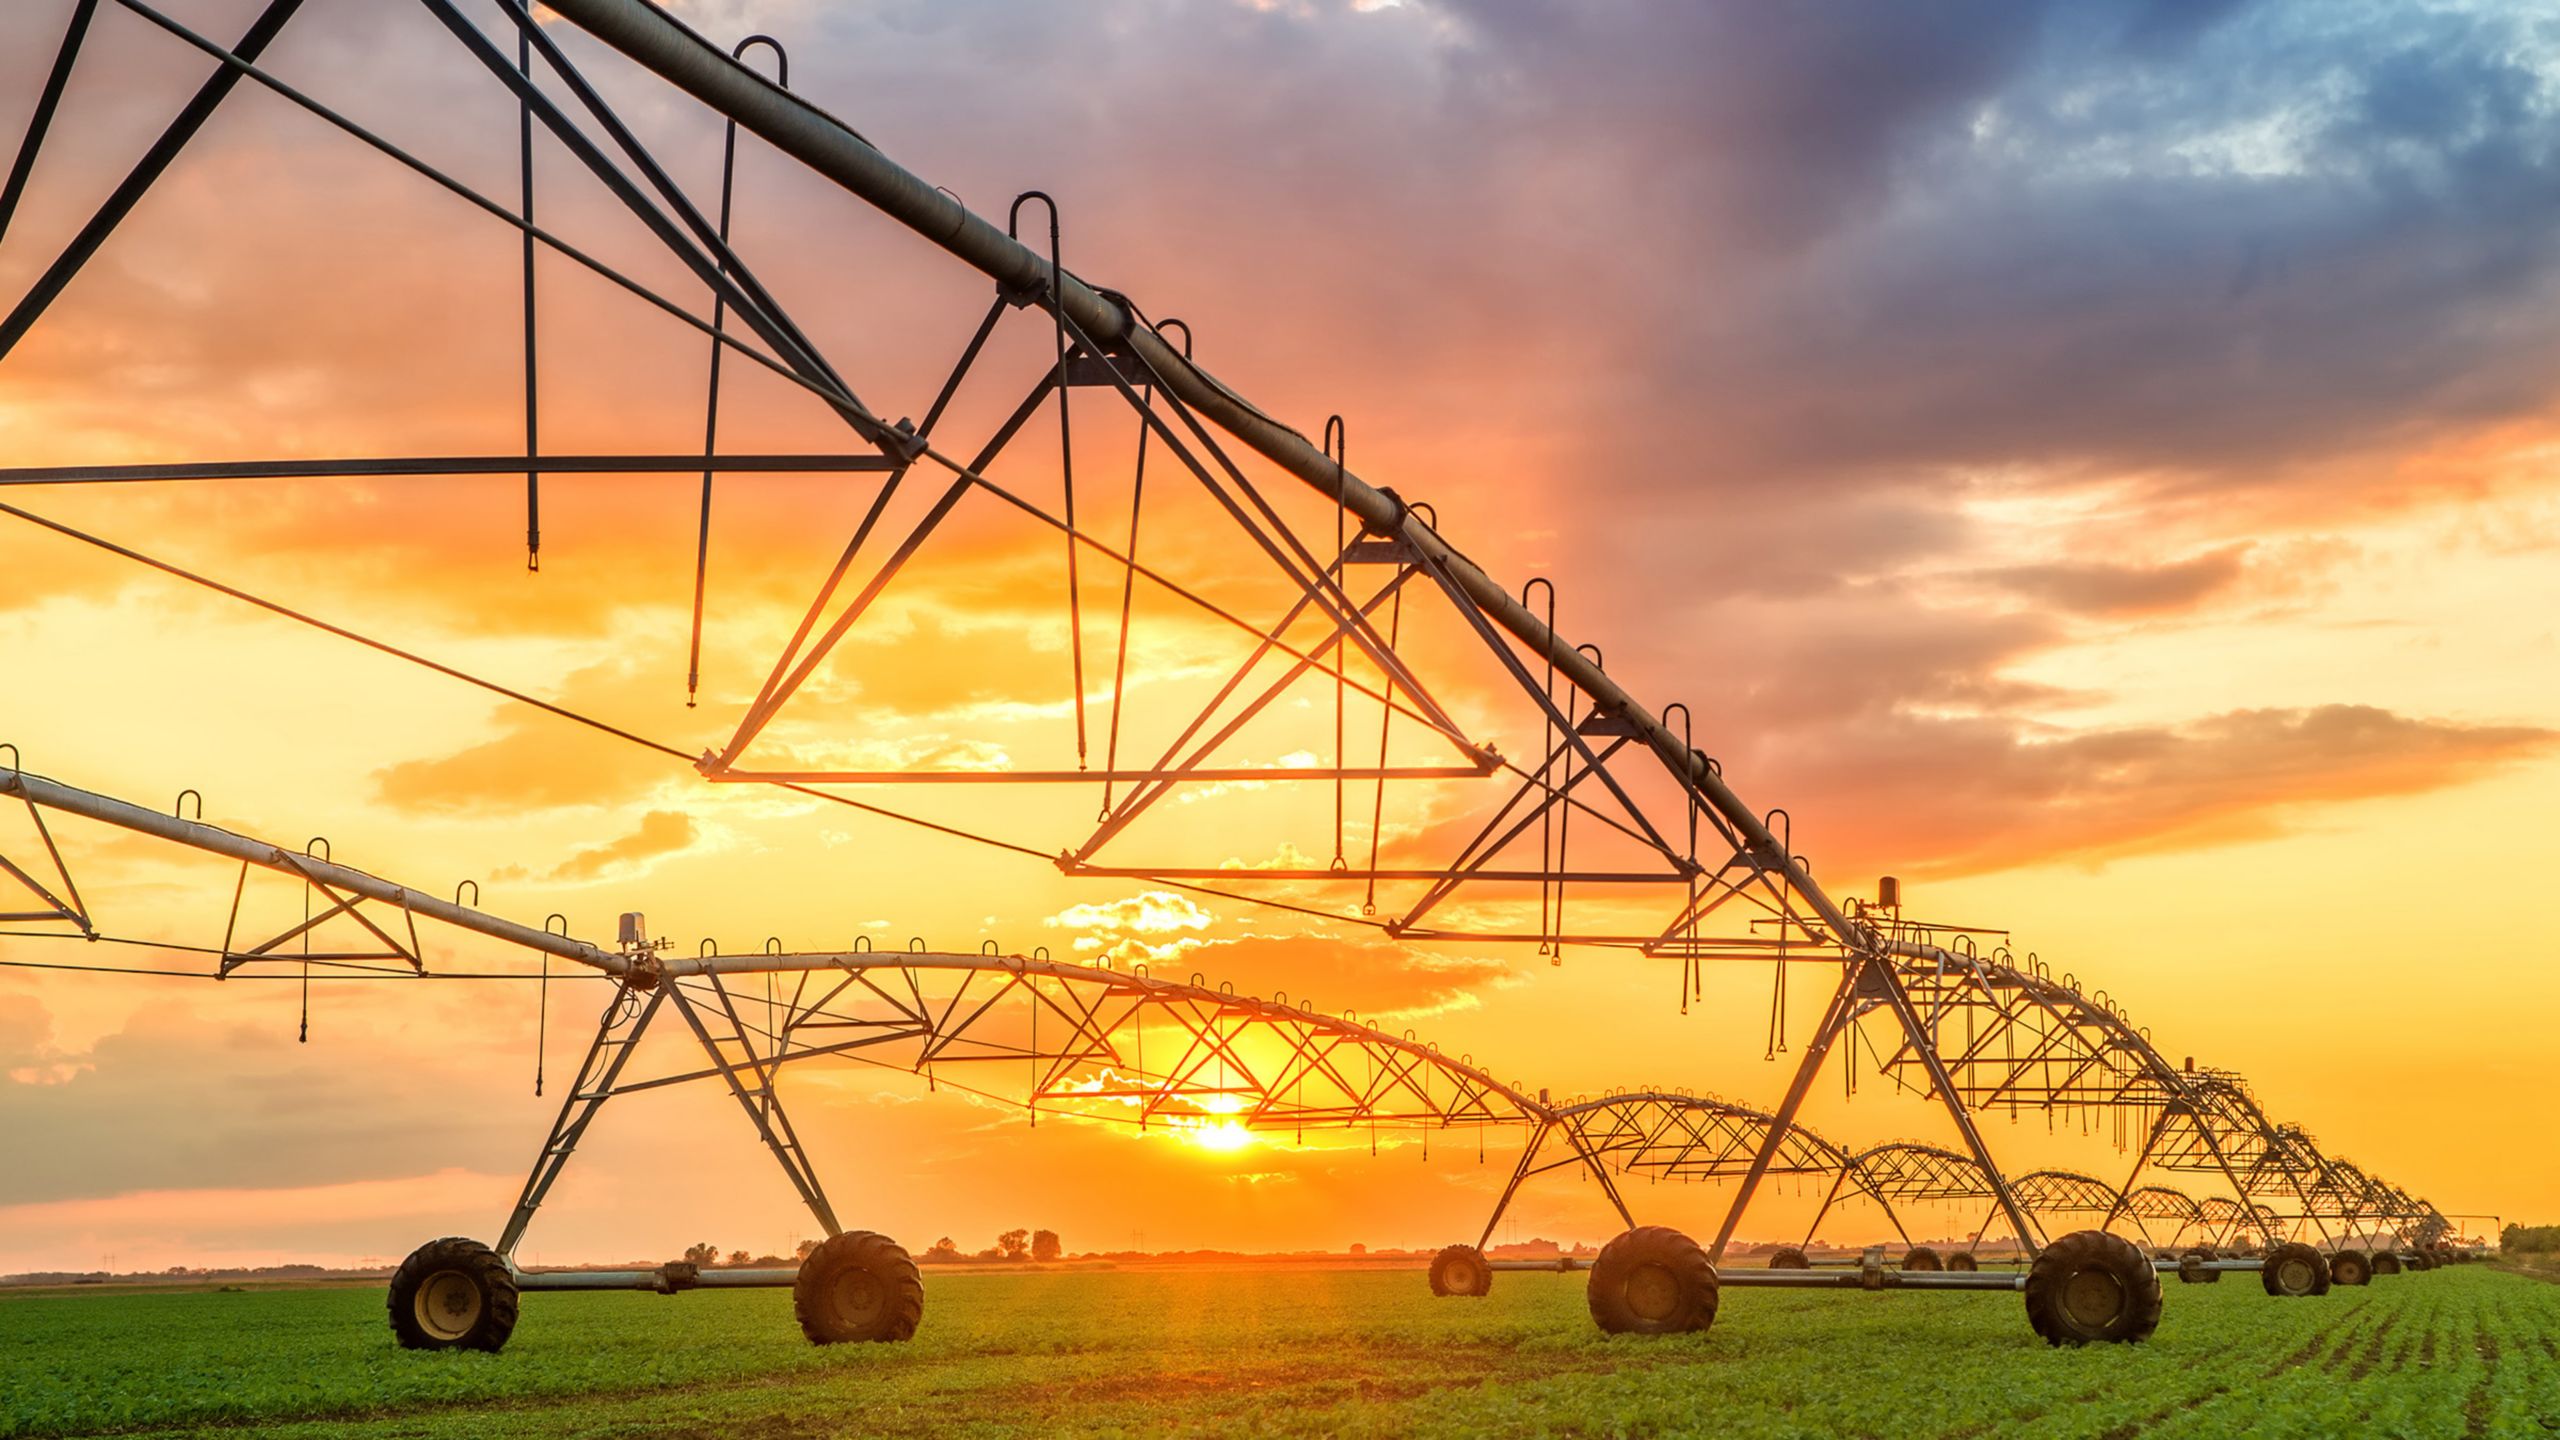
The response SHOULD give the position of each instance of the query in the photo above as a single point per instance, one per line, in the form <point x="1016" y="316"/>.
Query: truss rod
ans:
<point x="443" y="466"/>
<point x="213" y="839"/>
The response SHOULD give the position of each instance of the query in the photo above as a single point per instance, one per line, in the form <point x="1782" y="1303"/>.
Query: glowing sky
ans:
<point x="2090" y="459"/>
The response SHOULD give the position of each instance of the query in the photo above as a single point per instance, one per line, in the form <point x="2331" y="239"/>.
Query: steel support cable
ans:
<point x="154" y="163"/>
<point x="42" y="120"/>
<point x="607" y="727"/>
<point x="1128" y="599"/>
<point x="1337" y="441"/>
<point x="479" y="201"/>
<point x="1066" y="448"/>
<point x="1378" y="799"/>
<point x="711" y="404"/>
<point x="532" y="349"/>
<point x="451" y="672"/>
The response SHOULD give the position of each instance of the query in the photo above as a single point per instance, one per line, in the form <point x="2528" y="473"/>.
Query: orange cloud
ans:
<point x="661" y="832"/>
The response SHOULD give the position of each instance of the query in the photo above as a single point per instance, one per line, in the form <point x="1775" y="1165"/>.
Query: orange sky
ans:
<point x="2097" y="471"/>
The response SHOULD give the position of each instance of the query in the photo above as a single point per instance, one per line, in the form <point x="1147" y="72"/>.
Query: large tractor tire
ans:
<point x="2387" y="1262"/>
<point x="2351" y="1267"/>
<point x="1921" y="1257"/>
<point x="2092" y="1286"/>
<point x="2202" y="1254"/>
<point x="1789" y="1258"/>
<point x="1461" y="1270"/>
<point x="453" y="1294"/>
<point x="1964" y="1262"/>
<point x="858" y="1286"/>
<point x="1652" y="1280"/>
<point x="2294" y="1268"/>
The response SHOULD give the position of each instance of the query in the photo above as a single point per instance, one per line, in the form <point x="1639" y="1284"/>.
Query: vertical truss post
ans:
<point x="762" y="1105"/>
<point x="1511" y="1187"/>
<point x="1835" y="1018"/>
<point x="1599" y="1171"/>
<point x="1900" y="999"/>
<point x="2124" y="1192"/>
<point x="626" y="1017"/>
<point x="1822" y="1213"/>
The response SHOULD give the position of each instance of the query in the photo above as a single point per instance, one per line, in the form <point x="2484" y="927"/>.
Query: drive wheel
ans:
<point x="2350" y="1267"/>
<point x="2089" y="1286"/>
<point x="1652" y="1280"/>
<point x="2294" y="1268"/>
<point x="2386" y="1262"/>
<point x="453" y="1294"/>
<point x="2202" y="1254"/>
<point x="1921" y="1257"/>
<point x="1461" y="1270"/>
<point x="857" y="1286"/>
<point x="2422" y="1261"/>
<point x="1790" y="1258"/>
<point x="1963" y="1261"/>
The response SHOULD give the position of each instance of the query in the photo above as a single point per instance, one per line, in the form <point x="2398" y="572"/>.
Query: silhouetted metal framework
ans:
<point x="1901" y="1173"/>
<point x="1323" y="580"/>
<point x="1662" y="1135"/>
<point x="1332" y="576"/>
<point x="1052" y="1038"/>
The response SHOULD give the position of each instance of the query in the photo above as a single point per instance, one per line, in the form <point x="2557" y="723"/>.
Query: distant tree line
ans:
<point x="1012" y="1245"/>
<point x="2529" y="1239"/>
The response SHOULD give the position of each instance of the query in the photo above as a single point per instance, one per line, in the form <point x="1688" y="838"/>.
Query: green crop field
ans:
<point x="2467" y="1351"/>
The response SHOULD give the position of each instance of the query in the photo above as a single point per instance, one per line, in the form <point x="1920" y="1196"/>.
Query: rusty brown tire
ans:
<point x="2350" y="1267"/>
<point x="2203" y="1254"/>
<point x="2294" y="1269"/>
<point x="2089" y="1287"/>
<point x="1652" y="1280"/>
<point x="2387" y="1262"/>
<point x="1963" y="1261"/>
<point x="453" y="1294"/>
<point x="858" y="1286"/>
<point x="1790" y="1258"/>
<point x="1921" y="1257"/>
<point x="1460" y="1270"/>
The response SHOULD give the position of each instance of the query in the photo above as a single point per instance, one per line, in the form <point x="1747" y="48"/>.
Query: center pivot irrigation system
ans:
<point x="1346" y="617"/>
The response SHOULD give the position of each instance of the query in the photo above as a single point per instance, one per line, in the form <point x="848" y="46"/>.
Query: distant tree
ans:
<point x="2529" y="1239"/>
<point x="704" y="1254"/>
<point x="738" y="1257"/>
<point x="1359" y="1249"/>
<point x="1013" y="1243"/>
<point x="943" y="1251"/>
<point x="805" y="1247"/>
<point x="1045" y="1246"/>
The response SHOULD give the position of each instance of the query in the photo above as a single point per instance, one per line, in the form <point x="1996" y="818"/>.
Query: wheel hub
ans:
<point x="2294" y="1275"/>
<point x="2093" y="1298"/>
<point x="860" y="1297"/>
<point x="447" y="1305"/>
<point x="1653" y="1293"/>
